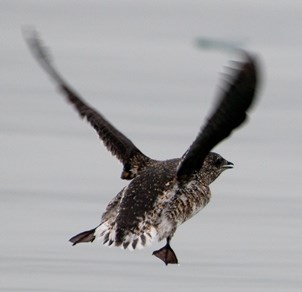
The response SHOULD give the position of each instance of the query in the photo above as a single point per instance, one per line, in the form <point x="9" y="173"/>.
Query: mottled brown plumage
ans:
<point x="161" y="194"/>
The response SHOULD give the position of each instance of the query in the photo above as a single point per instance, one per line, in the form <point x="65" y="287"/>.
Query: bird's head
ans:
<point x="213" y="165"/>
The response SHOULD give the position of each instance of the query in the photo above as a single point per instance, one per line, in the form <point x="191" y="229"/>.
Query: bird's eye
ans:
<point x="218" y="162"/>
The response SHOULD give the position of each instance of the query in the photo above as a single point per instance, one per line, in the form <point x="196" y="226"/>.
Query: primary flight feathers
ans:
<point x="117" y="143"/>
<point x="229" y="113"/>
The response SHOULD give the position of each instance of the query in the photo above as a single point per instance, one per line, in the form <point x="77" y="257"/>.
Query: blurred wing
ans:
<point x="230" y="112"/>
<point x="117" y="143"/>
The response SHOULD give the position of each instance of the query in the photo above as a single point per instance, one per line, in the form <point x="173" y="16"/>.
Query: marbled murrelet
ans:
<point x="161" y="195"/>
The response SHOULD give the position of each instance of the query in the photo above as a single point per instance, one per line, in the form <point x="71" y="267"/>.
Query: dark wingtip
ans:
<point x="252" y="67"/>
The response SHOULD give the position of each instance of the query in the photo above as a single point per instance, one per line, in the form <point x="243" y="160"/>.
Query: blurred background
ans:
<point x="153" y="68"/>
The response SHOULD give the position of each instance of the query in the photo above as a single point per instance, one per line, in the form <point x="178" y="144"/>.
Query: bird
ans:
<point x="161" y="194"/>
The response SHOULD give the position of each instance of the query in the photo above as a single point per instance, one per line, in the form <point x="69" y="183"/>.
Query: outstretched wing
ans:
<point x="117" y="143"/>
<point x="229" y="113"/>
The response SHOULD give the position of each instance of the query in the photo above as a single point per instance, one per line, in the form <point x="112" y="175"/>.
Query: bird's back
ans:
<point x="138" y="206"/>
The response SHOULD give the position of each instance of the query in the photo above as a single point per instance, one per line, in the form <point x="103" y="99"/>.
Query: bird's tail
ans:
<point x="86" y="236"/>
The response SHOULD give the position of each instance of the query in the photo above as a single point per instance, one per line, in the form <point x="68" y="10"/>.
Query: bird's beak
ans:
<point x="228" y="165"/>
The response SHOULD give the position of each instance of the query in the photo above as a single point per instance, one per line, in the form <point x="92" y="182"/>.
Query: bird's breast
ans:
<point x="187" y="201"/>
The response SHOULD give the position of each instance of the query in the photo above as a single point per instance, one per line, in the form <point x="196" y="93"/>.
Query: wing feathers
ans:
<point x="229" y="113"/>
<point x="117" y="143"/>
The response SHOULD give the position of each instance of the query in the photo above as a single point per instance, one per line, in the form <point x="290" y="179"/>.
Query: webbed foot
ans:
<point x="166" y="254"/>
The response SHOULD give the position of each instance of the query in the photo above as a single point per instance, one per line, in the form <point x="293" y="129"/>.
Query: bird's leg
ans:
<point x="166" y="254"/>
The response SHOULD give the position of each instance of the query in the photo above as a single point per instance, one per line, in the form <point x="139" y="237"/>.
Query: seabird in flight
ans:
<point x="161" y="195"/>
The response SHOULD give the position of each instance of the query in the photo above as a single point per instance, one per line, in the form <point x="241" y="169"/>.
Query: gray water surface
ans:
<point x="138" y="63"/>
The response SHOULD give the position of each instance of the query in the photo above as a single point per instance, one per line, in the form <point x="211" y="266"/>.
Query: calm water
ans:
<point x="137" y="62"/>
